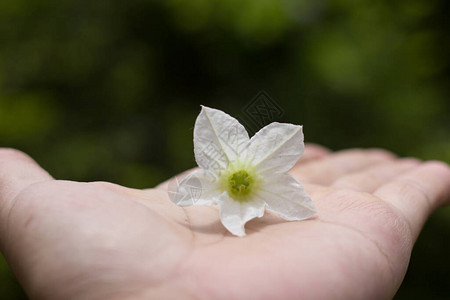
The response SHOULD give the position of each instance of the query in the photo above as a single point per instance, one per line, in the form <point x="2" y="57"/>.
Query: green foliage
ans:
<point x="109" y="90"/>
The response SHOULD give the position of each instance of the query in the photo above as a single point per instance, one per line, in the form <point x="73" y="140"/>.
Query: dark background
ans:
<point x="109" y="90"/>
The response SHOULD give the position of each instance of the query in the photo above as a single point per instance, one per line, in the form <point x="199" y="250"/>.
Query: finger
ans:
<point x="326" y="170"/>
<point x="17" y="171"/>
<point x="313" y="152"/>
<point x="315" y="190"/>
<point x="417" y="193"/>
<point x="371" y="178"/>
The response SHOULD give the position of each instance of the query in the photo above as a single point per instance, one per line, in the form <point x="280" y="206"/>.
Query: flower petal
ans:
<point x="218" y="139"/>
<point x="285" y="196"/>
<point x="197" y="188"/>
<point x="234" y="214"/>
<point x="276" y="147"/>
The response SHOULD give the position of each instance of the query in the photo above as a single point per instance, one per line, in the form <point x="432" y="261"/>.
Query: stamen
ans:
<point x="240" y="184"/>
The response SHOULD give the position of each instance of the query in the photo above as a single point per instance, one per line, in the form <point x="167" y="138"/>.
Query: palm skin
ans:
<point x="70" y="240"/>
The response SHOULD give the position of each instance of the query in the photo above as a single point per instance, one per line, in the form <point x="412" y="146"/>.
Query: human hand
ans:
<point x="71" y="240"/>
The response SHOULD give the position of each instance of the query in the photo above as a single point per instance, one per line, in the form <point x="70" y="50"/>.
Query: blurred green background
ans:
<point x="109" y="90"/>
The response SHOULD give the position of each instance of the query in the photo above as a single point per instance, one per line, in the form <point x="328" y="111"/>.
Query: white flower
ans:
<point x="244" y="176"/>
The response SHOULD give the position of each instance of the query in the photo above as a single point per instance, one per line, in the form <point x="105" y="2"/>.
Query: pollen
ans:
<point x="240" y="184"/>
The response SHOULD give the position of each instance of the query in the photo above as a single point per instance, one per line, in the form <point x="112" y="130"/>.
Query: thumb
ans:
<point x="17" y="172"/>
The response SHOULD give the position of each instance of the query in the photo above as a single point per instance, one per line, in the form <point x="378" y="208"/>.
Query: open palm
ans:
<point x="71" y="240"/>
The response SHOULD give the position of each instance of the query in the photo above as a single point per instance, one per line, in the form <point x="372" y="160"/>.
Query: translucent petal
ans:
<point x="197" y="188"/>
<point x="285" y="196"/>
<point x="276" y="147"/>
<point x="218" y="139"/>
<point x="234" y="214"/>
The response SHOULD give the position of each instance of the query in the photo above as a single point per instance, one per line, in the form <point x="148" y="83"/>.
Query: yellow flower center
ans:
<point x="240" y="184"/>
